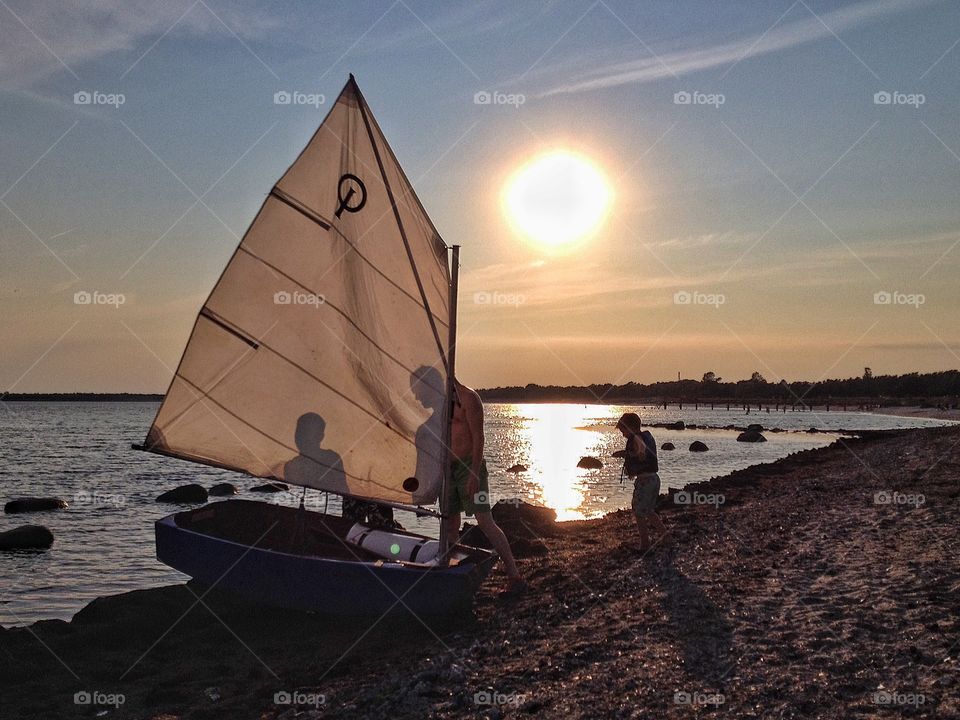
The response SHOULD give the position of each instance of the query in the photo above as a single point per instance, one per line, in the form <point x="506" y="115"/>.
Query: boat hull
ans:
<point x="216" y="552"/>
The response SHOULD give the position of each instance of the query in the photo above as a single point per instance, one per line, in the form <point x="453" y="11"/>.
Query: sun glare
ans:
<point x="557" y="199"/>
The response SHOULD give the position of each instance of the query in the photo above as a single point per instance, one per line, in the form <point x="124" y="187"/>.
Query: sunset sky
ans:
<point x="799" y="216"/>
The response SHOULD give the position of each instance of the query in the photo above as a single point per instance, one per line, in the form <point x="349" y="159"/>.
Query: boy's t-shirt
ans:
<point x="647" y="464"/>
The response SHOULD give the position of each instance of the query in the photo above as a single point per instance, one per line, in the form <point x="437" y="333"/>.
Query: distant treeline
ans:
<point x="80" y="397"/>
<point x="934" y="388"/>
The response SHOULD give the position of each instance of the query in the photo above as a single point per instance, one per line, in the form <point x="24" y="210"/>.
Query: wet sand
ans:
<point x="821" y="587"/>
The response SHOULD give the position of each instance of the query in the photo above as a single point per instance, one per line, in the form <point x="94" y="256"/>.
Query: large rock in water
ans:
<point x="186" y="494"/>
<point x="751" y="436"/>
<point x="589" y="463"/>
<point x="271" y="487"/>
<point x="755" y="427"/>
<point x="34" y="504"/>
<point x="697" y="446"/>
<point x="518" y="512"/>
<point x="668" y="446"/>
<point x="222" y="489"/>
<point x="26" y="537"/>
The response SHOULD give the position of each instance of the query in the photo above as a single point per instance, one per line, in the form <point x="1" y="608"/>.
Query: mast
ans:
<point x="448" y="430"/>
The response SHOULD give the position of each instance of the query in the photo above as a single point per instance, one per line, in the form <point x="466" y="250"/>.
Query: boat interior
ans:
<point x="291" y="530"/>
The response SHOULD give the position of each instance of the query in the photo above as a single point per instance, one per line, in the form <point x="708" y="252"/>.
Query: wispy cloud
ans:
<point x="783" y="36"/>
<point x="43" y="37"/>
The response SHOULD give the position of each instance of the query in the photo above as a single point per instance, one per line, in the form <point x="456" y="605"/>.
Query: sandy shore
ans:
<point x="821" y="587"/>
<point x="921" y="412"/>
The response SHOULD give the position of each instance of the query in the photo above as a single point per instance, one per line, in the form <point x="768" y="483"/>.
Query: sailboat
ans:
<point x="324" y="358"/>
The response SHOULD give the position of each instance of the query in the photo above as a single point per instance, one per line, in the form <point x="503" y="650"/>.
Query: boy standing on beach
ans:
<point x="469" y="491"/>
<point x="640" y="463"/>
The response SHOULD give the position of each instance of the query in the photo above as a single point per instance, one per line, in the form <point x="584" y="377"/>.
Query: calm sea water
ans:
<point x="104" y="540"/>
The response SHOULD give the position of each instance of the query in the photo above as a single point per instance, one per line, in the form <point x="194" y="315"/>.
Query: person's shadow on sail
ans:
<point x="315" y="466"/>
<point x="428" y="387"/>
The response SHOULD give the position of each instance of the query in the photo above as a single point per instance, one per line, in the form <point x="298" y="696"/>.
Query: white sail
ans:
<point x="320" y="356"/>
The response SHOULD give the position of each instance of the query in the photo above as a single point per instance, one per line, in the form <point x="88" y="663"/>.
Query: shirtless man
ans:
<point x="469" y="491"/>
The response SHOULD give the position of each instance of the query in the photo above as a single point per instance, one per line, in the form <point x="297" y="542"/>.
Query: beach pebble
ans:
<point x="34" y="504"/>
<point x="271" y="487"/>
<point x="755" y="427"/>
<point x="518" y="468"/>
<point x="25" y="537"/>
<point x="751" y="436"/>
<point x="668" y="446"/>
<point x="678" y="425"/>
<point x="191" y="493"/>
<point x="589" y="463"/>
<point x="697" y="446"/>
<point x="221" y="489"/>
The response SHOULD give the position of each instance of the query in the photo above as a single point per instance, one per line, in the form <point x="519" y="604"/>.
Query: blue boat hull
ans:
<point x="214" y="546"/>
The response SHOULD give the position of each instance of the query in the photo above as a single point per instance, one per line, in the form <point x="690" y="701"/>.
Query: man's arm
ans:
<point x="474" y="413"/>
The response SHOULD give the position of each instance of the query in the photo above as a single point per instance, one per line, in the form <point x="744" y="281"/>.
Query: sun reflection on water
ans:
<point x="551" y="444"/>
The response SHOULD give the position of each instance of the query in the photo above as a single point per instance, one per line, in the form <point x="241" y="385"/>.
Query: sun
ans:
<point x="557" y="198"/>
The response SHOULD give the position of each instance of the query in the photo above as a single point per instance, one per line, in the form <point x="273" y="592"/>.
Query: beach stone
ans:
<point x="191" y="493"/>
<point x="813" y="430"/>
<point x="697" y="446"/>
<point x="678" y="425"/>
<point x="668" y="446"/>
<point x="221" y="489"/>
<point x="271" y="487"/>
<point x="26" y="537"/>
<point x="589" y="463"/>
<point x="755" y="427"/>
<point x="34" y="504"/>
<point x="751" y="436"/>
<point x="518" y="468"/>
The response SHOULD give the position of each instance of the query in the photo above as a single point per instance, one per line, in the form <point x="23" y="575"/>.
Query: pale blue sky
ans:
<point x="103" y="198"/>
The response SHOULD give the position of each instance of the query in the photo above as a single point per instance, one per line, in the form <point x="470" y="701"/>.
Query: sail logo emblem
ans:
<point x="349" y="187"/>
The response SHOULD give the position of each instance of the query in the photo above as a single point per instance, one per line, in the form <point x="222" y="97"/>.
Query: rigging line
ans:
<point x="396" y="213"/>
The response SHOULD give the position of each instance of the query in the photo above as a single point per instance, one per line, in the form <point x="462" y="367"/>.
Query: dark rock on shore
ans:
<point x="668" y="446"/>
<point x="223" y="489"/>
<point x="751" y="436"/>
<point x="755" y="427"/>
<point x="271" y="487"/>
<point x="697" y="446"/>
<point x="589" y="463"/>
<point x="185" y="494"/>
<point x="518" y="468"/>
<point x="34" y="504"/>
<point x="26" y="537"/>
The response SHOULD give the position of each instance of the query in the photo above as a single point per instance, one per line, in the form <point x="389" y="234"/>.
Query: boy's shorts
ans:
<point x="459" y="500"/>
<point x="646" y="490"/>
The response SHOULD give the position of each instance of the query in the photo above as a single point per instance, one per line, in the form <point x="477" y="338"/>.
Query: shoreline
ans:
<point x="798" y="595"/>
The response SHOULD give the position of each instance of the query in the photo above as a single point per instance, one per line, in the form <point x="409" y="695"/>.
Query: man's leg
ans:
<point x="498" y="540"/>
<point x="453" y="527"/>
<point x="644" y="533"/>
